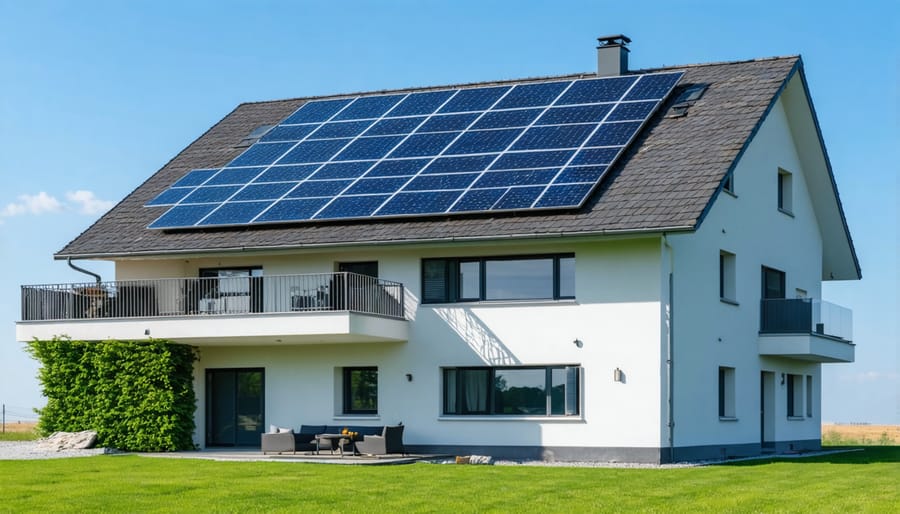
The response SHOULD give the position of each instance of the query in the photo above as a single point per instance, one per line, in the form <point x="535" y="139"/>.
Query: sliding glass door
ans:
<point x="235" y="400"/>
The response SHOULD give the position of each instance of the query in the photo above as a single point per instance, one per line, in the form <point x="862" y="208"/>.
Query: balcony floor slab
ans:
<point x="229" y="329"/>
<point x="807" y="347"/>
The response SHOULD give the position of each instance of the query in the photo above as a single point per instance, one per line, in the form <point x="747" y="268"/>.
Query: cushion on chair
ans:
<point x="312" y="429"/>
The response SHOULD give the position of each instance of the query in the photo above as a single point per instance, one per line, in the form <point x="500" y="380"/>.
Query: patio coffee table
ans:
<point x="340" y="439"/>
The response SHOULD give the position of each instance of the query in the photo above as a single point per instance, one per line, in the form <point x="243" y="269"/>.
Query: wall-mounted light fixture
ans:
<point x="782" y="379"/>
<point x="409" y="377"/>
<point x="618" y="376"/>
<point x="578" y="342"/>
<point x="146" y="331"/>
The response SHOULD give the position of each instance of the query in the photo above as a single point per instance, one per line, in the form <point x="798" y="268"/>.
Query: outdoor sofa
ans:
<point x="305" y="438"/>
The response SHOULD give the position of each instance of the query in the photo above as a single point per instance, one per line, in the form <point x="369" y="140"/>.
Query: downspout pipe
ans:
<point x="82" y="270"/>
<point x="670" y="348"/>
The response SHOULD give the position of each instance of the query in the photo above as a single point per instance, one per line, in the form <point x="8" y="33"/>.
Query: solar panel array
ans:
<point x="543" y="145"/>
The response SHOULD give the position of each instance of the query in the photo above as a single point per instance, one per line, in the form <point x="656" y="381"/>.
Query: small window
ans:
<point x="809" y="396"/>
<point x="728" y="184"/>
<point x="726" y="392"/>
<point x="795" y="396"/>
<point x="785" y="191"/>
<point x="253" y="136"/>
<point x="512" y="391"/>
<point x="361" y="390"/>
<point x="727" y="276"/>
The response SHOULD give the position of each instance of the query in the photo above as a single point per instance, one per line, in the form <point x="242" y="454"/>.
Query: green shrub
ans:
<point x="137" y="396"/>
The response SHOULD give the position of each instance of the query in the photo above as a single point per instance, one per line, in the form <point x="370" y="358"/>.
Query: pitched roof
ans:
<point x="665" y="181"/>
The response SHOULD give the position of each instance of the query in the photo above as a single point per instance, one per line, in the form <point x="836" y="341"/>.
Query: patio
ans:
<point x="255" y="455"/>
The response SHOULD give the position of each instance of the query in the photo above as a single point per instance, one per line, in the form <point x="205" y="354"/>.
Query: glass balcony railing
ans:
<point x="214" y="295"/>
<point x="805" y="316"/>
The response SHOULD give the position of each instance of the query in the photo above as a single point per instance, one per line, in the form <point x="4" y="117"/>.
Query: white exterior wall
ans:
<point x="710" y="333"/>
<point x="616" y="314"/>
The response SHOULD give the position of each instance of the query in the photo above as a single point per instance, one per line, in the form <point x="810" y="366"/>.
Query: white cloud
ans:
<point x="32" y="204"/>
<point x="80" y="201"/>
<point x="88" y="203"/>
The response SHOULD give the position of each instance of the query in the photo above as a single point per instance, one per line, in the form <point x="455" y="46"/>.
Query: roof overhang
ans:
<point x="839" y="260"/>
<point x="200" y="252"/>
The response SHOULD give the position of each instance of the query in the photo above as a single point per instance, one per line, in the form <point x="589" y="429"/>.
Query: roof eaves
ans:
<point x="393" y="242"/>
<point x="828" y="167"/>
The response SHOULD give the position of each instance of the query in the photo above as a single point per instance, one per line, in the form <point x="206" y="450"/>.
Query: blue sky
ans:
<point x="97" y="96"/>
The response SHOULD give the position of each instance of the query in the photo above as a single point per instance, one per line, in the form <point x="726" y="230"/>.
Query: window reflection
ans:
<point x="519" y="279"/>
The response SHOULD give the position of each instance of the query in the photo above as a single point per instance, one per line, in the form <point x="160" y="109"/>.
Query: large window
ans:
<point x="522" y="391"/>
<point x="542" y="277"/>
<point x="360" y="390"/>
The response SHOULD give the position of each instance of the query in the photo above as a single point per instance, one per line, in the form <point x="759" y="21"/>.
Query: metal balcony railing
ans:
<point x="805" y="316"/>
<point x="167" y="297"/>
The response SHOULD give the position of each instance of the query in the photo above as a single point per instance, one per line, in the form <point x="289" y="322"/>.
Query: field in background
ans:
<point x="860" y="435"/>
<point x="24" y="426"/>
<point x="23" y="431"/>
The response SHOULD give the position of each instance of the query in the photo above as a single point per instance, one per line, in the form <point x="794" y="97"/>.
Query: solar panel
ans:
<point x="538" y="145"/>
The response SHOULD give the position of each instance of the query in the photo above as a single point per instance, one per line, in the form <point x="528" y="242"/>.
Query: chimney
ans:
<point x="612" y="55"/>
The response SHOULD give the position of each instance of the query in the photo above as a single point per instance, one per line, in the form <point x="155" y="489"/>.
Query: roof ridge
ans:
<point x="579" y="75"/>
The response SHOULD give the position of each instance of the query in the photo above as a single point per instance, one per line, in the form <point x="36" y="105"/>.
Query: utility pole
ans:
<point x="4" y="419"/>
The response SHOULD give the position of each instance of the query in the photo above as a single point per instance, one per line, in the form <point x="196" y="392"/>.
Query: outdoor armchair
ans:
<point x="390" y="441"/>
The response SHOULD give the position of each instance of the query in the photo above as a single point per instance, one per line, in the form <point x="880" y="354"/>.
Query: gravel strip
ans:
<point x="29" y="450"/>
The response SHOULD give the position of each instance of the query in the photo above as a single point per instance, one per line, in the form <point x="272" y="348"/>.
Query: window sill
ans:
<point x="356" y="416"/>
<point x="727" y="418"/>
<point x="729" y="301"/>
<point x="500" y="417"/>
<point x="796" y="418"/>
<point x="786" y="212"/>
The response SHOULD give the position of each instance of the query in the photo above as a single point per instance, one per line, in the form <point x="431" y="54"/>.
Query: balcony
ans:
<point x="271" y="310"/>
<point x="806" y="329"/>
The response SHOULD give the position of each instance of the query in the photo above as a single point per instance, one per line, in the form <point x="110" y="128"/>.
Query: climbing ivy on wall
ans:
<point x="137" y="396"/>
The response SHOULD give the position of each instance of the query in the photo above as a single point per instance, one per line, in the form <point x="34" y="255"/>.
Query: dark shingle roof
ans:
<point x="664" y="182"/>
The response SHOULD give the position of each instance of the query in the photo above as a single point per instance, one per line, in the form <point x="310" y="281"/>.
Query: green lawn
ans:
<point x="19" y="436"/>
<point x="862" y="481"/>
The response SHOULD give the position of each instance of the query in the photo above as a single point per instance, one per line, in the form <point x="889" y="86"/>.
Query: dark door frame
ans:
<point x="209" y="415"/>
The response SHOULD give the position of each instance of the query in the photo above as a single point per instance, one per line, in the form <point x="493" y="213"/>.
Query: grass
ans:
<point x="19" y="436"/>
<point x="861" y="481"/>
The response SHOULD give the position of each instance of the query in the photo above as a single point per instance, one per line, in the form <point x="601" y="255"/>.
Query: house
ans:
<point x="667" y="307"/>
